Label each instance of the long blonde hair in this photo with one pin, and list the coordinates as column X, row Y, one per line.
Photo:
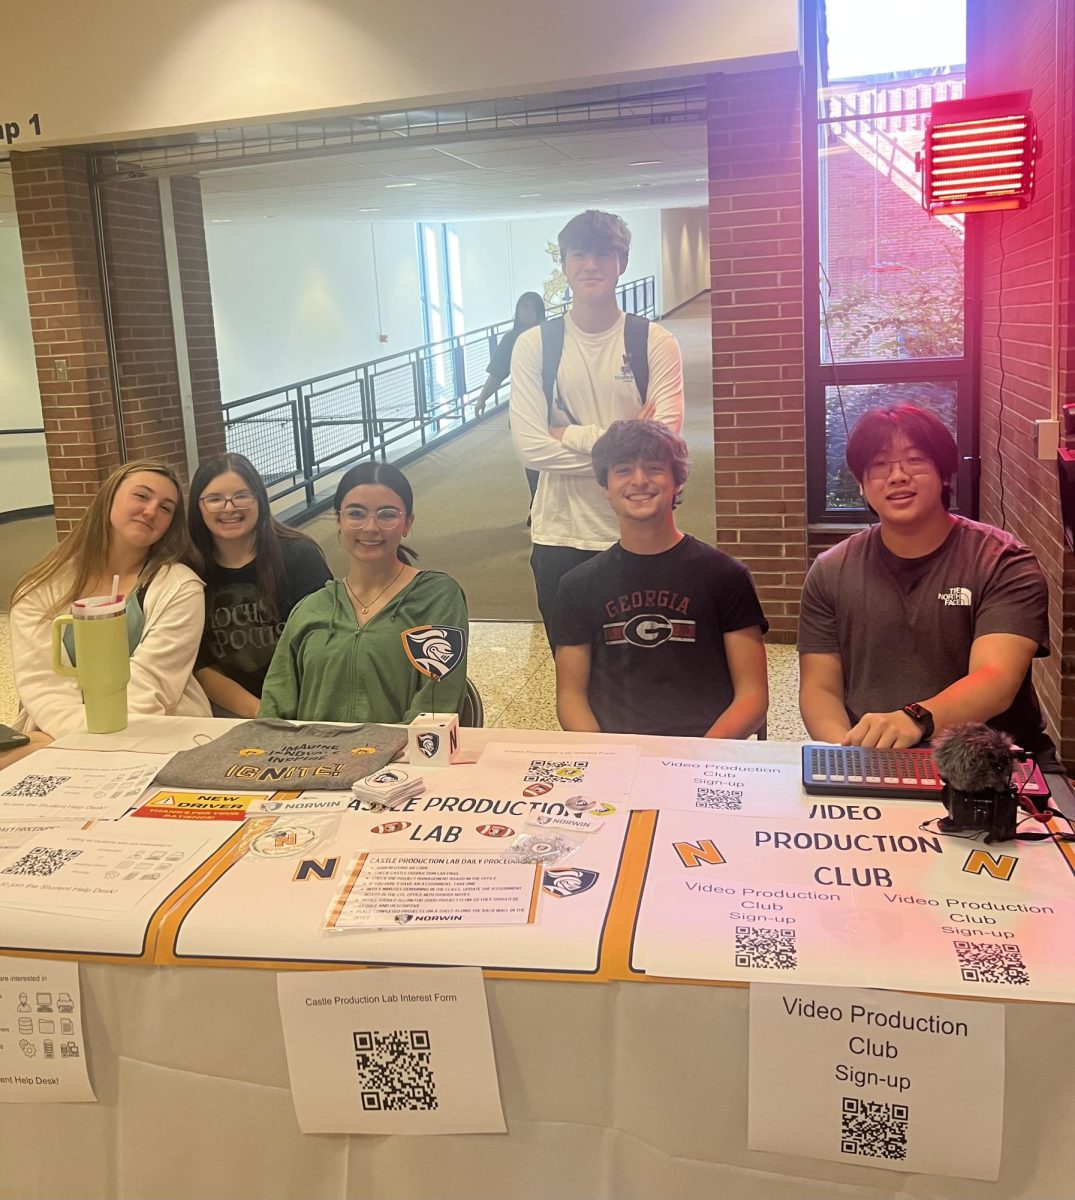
column 85, row 549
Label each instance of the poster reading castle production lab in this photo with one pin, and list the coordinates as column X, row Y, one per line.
column 877, row 1079
column 390, row 1051
column 295, row 868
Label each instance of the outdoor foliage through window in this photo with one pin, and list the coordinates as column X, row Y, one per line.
column 842, row 491
column 891, row 278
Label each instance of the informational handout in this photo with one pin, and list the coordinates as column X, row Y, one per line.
column 42, row 1050
column 390, row 1052
column 99, row 871
column 702, row 785
column 555, row 772
column 82, row 784
column 430, row 889
column 877, row 1079
column 14, row 833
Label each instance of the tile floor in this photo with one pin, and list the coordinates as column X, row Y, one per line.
column 512, row 667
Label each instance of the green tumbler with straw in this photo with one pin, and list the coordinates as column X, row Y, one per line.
column 102, row 658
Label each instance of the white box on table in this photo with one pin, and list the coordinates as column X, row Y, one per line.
column 432, row 739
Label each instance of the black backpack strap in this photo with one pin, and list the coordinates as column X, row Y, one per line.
column 552, row 350
column 636, row 344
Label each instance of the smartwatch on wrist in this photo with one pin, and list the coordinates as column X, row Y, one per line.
column 922, row 717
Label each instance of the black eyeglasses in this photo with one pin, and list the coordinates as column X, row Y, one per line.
column 239, row 501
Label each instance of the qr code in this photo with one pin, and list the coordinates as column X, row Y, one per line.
column 37, row 786
column 555, row 770
column 730, row 799
column 874, row 1128
column 760, row 947
column 394, row 1071
column 41, row 860
column 982, row 963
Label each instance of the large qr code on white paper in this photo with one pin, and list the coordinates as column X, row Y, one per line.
column 37, row 786
column 757, row 946
column 728, row 799
column 980, row 962
column 41, row 860
column 555, row 770
column 395, row 1071
column 874, row 1128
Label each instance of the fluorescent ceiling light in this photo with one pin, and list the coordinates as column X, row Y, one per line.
column 392, row 185
column 647, row 162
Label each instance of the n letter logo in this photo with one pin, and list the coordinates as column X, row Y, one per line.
column 691, row 855
column 999, row 867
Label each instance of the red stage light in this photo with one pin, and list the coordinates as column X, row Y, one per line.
column 979, row 155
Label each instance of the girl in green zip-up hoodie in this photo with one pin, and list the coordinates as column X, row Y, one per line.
column 341, row 657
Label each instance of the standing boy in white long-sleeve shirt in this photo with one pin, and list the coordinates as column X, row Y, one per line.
column 594, row 386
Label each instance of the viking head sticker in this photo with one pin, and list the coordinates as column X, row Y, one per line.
column 434, row 649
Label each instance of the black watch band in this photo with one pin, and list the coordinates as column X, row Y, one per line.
column 921, row 717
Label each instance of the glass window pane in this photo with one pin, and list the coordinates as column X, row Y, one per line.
column 892, row 276
column 867, row 39
column 843, row 407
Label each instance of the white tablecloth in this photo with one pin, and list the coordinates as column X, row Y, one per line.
column 619, row 1090
column 614, row 1090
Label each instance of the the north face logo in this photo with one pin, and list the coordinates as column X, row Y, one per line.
column 957, row 597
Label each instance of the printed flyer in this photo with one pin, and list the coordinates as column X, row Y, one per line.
column 42, row 1046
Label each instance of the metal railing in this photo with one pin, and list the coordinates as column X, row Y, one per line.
column 298, row 434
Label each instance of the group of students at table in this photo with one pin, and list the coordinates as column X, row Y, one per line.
column 233, row 613
column 923, row 620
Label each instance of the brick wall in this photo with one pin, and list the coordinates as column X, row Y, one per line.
column 142, row 318
column 1028, row 322
column 52, row 197
column 755, row 237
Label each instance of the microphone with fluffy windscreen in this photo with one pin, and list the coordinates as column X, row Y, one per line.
column 976, row 764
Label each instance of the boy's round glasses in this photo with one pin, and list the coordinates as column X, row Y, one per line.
column 386, row 517
column 239, row 501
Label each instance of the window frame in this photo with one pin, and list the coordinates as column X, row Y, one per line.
column 819, row 375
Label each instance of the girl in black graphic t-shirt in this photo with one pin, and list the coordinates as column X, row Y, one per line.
column 255, row 569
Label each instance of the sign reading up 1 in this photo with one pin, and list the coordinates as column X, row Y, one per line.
column 11, row 131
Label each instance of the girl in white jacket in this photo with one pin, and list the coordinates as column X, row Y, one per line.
column 133, row 528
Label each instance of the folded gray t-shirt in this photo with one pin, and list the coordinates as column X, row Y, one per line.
column 270, row 755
